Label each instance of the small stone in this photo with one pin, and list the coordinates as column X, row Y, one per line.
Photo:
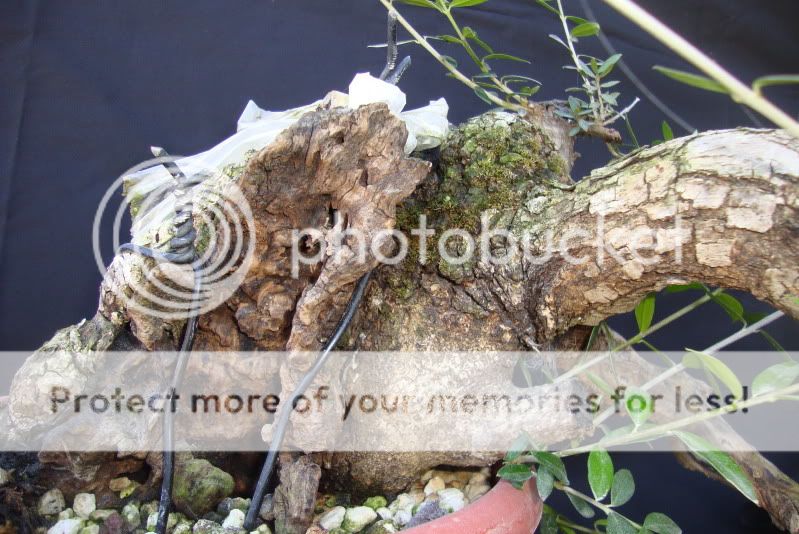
column 356, row 519
column 417, row 496
column 148, row 509
column 457, row 484
column 203, row 526
column 182, row 528
column 384, row 513
column 236, row 503
column 403, row 502
column 101, row 515
column 130, row 513
column 478, row 478
column 91, row 528
column 427, row 512
column 314, row 529
column 385, row 526
column 113, row 524
column 51, row 503
column 199, row 486
column 332, row 518
column 451, row 500
column 84, row 504
column 475, row 491
column 435, row 484
column 66, row 526
column 118, row 484
column 152, row 521
column 5, row 477
column 68, row 513
column 402, row 517
column 234, row 520
column 376, row 502
column 262, row 529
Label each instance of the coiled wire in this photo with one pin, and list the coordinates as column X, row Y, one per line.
column 180, row 250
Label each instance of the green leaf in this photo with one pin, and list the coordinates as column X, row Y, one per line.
column 679, row 288
column 517, row 448
column 638, row 404
column 516, row 474
column 471, row 34
column 451, row 60
column 558, row 40
column 623, row 487
column 419, row 3
column 553, row 464
column 661, row 524
column 583, row 507
column 600, row 473
column 586, row 29
column 608, row 65
column 544, row 482
column 446, row 38
column 694, row 80
column 644, row 312
column 775, row 377
column 517, row 78
column 549, row 521
column 467, row 3
column 619, row 525
column 529, row 91
column 665, row 129
column 721, row 462
column 484, row 95
column 699, row 360
column 731, row 305
column 505, row 56
column 545, row 5
column 576, row 20
column 775, row 79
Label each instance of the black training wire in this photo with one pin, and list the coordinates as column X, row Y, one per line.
column 391, row 74
column 181, row 251
column 281, row 424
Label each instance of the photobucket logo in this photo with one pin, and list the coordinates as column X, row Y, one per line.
column 641, row 245
column 204, row 213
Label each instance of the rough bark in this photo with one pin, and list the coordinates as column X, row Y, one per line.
column 735, row 192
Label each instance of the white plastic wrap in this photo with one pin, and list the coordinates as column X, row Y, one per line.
column 257, row 128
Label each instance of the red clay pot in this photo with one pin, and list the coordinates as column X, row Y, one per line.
column 503, row 510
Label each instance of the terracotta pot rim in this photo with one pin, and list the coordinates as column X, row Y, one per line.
column 503, row 510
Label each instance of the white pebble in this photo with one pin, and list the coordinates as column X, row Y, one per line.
column 5, row 478
column 451, row 500
column 84, row 505
column 356, row 519
column 333, row 518
column 66, row 526
column 384, row 513
column 235, row 519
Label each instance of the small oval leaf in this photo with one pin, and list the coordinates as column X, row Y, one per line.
column 583, row 507
column 600, row 473
column 553, row 464
column 623, row 487
column 619, row 525
column 661, row 524
column 467, row 3
column 775, row 377
column 586, row 29
column 544, row 482
column 644, row 312
column 699, row 360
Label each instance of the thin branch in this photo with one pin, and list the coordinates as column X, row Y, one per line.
column 739, row 92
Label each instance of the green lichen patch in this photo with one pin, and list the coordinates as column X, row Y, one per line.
column 491, row 163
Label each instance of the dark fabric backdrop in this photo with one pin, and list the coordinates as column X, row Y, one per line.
column 87, row 86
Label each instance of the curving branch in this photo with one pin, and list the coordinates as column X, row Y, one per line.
column 718, row 207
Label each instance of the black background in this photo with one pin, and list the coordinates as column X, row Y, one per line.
column 87, row 86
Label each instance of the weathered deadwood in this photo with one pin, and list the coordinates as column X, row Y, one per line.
column 295, row 496
column 735, row 191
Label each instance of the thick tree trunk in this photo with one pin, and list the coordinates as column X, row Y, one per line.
column 718, row 207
